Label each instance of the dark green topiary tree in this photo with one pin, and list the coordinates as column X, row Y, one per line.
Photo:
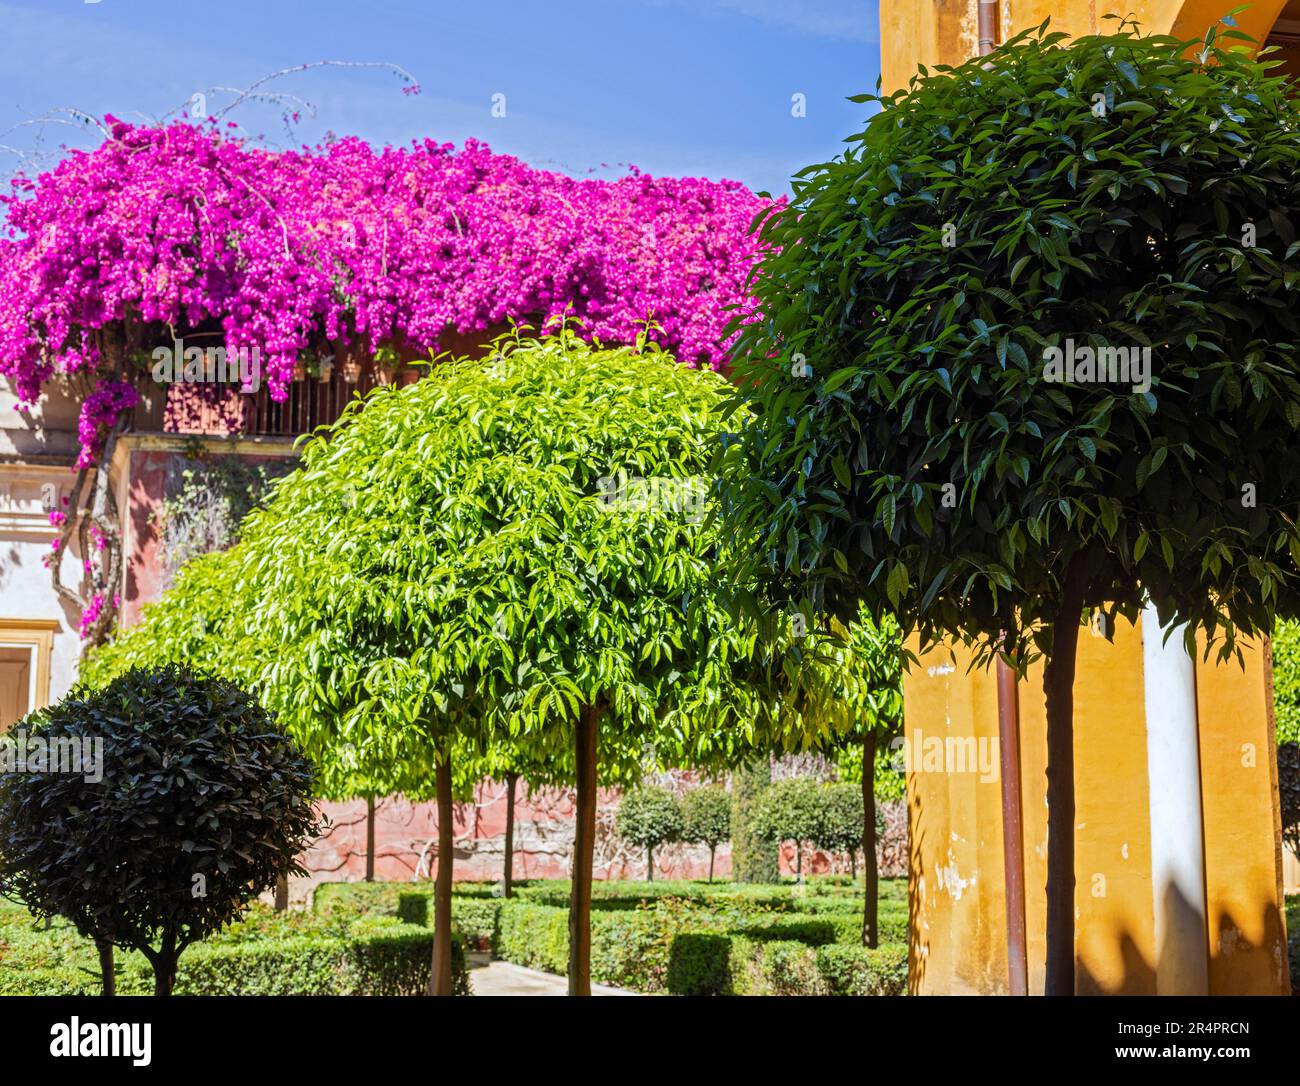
column 649, row 816
column 706, row 819
column 200, row 803
column 945, row 426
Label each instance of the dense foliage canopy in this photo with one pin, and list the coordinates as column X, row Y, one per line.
column 913, row 447
column 196, row 802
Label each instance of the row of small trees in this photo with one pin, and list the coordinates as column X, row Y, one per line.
column 650, row 816
column 800, row 810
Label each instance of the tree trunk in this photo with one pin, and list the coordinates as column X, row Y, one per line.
column 106, row 966
column 649, row 864
column 370, row 838
column 164, row 965
column 1058, row 686
column 281, row 893
column 512, row 779
column 798, row 861
column 164, row 977
column 440, row 978
column 870, row 870
column 712, row 851
column 584, row 841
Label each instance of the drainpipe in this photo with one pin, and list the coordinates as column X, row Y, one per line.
column 1013, row 851
column 988, row 25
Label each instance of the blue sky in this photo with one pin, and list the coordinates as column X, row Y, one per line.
column 685, row 87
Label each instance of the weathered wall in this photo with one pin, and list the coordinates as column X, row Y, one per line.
column 33, row 457
column 406, row 842
column 958, row 902
column 934, row 32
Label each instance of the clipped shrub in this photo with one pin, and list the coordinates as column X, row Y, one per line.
column 197, row 803
column 476, row 920
column 649, row 816
column 265, row 954
column 1288, row 780
column 858, row 971
column 699, row 963
column 413, row 908
column 534, row 935
column 706, row 819
column 790, row 810
column 753, row 858
column 1286, row 680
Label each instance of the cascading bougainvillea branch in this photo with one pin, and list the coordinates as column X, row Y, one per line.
column 166, row 230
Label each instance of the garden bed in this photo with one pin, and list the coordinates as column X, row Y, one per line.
column 263, row 954
column 676, row 937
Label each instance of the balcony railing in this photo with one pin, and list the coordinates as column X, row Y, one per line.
column 222, row 410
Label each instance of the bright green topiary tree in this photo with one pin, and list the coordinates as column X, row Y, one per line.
column 706, row 819
column 510, row 551
column 649, row 816
column 790, row 810
column 919, row 445
column 842, row 816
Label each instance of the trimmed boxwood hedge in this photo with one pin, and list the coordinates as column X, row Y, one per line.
column 679, row 937
column 262, row 955
column 718, row 964
column 796, row 955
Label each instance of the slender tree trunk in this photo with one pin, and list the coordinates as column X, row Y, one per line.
column 370, row 838
column 1058, row 686
column 649, row 864
column 870, row 870
column 440, row 978
column 512, row 779
column 798, row 861
column 583, row 853
column 281, row 893
column 164, row 965
column 164, row 977
column 712, row 852
column 106, row 966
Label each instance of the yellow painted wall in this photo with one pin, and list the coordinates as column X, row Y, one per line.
column 1243, row 831
column 957, row 894
column 955, row 825
column 933, row 32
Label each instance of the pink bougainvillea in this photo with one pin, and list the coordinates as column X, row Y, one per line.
column 161, row 231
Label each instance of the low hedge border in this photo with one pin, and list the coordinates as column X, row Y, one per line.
column 374, row 956
column 795, row 956
column 723, row 964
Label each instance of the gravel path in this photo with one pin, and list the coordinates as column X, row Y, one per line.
column 491, row 978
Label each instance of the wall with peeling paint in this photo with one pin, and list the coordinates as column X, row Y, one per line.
column 934, row 32
column 958, row 940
